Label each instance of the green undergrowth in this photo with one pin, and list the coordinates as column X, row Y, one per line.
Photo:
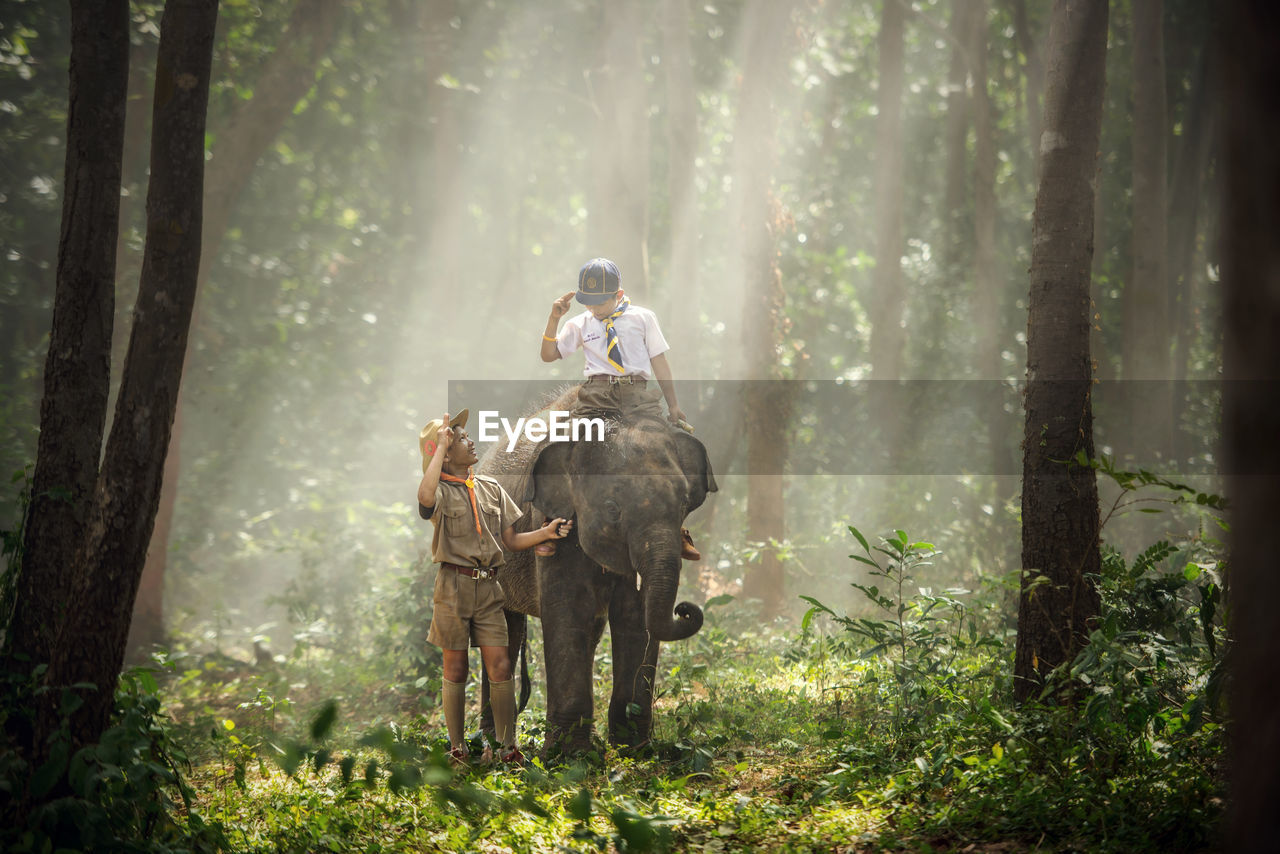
column 889, row 727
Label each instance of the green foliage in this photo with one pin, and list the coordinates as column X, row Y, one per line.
column 127, row 792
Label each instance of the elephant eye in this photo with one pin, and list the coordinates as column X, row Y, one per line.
column 612, row 510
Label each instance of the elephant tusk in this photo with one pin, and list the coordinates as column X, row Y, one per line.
column 638, row 581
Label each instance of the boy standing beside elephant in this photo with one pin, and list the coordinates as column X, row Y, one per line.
column 624, row 347
column 473, row 518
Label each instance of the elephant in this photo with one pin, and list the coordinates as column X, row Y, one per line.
column 628, row 496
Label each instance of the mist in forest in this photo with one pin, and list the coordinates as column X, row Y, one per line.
column 395, row 251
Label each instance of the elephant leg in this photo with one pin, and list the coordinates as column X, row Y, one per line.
column 635, row 664
column 517, row 626
column 573, row 617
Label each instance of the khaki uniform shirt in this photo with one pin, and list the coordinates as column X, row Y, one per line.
column 456, row 539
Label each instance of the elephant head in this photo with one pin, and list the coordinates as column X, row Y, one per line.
column 630, row 494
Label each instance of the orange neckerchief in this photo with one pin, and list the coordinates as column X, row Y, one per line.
column 470, row 483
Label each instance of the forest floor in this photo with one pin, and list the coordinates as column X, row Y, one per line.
column 764, row 740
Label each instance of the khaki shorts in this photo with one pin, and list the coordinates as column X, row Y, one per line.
column 467, row 612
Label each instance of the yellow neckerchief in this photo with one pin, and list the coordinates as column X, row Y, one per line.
column 613, row 352
column 470, row 482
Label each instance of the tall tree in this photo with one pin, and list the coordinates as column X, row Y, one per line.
column 767, row 397
column 77, row 369
column 1146, row 353
column 887, row 301
column 1060, row 526
column 90, row 644
column 1250, row 96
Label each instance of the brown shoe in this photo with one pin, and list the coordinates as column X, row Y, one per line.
column 546, row 548
column 687, row 549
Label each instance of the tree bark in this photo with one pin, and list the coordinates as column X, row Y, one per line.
column 77, row 373
column 1250, row 99
column 91, row 642
column 1060, row 523
column 886, row 302
column 766, row 397
column 1146, row 354
column 618, row 225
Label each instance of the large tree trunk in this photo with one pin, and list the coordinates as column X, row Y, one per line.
column 618, row 227
column 237, row 146
column 1146, row 353
column 1060, row 548
column 77, row 373
column 91, row 642
column 886, row 301
column 766, row 396
column 1250, row 95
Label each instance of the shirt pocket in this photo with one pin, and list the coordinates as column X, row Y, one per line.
column 492, row 523
column 457, row 521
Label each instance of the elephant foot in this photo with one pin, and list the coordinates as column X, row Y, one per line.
column 568, row 740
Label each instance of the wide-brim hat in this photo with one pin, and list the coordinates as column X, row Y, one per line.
column 427, row 438
column 598, row 281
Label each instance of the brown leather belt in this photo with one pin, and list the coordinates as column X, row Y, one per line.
column 629, row 379
column 473, row 571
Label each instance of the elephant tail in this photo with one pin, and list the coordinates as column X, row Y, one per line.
column 526, row 689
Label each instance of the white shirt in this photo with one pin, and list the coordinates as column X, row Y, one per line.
column 639, row 340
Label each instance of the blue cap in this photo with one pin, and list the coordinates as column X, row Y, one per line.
column 598, row 281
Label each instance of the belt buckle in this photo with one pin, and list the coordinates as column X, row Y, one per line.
column 484, row 573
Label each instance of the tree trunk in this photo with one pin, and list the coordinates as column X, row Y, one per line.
column 766, row 396
column 886, row 301
column 682, row 150
column 91, row 642
column 237, row 146
column 1033, row 72
column 618, row 225
column 1191, row 164
column 1060, row 522
column 77, row 373
column 1146, row 353
column 988, row 284
column 960, row 70
column 1250, row 98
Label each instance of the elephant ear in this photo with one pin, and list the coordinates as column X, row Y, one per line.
column 549, row 481
column 696, row 465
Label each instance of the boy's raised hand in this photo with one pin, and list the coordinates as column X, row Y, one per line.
column 444, row 436
column 560, row 307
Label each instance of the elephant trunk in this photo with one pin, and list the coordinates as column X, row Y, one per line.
column 663, row 617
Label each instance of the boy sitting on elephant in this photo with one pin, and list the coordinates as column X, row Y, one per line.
column 473, row 518
column 624, row 347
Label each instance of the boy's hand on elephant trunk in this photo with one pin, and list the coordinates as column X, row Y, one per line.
column 557, row 529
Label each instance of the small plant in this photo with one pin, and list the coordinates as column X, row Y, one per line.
column 922, row 633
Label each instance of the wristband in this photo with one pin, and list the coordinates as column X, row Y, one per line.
column 545, row 338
